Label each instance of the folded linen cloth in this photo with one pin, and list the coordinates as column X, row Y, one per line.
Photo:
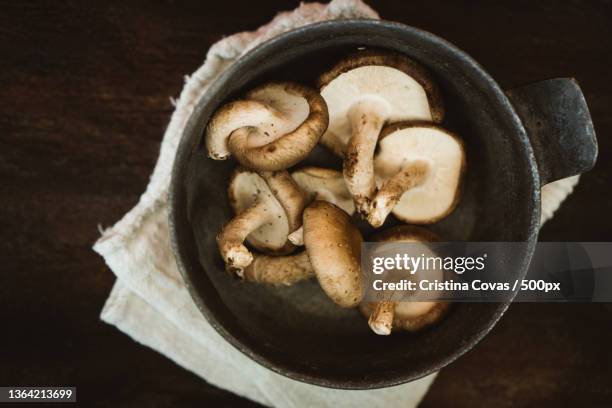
column 149, row 301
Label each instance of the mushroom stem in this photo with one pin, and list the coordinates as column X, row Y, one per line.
column 297, row 237
column 411, row 176
column 284, row 187
column 236, row 114
column 381, row 319
column 230, row 240
column 275, row 270
column 367, row 118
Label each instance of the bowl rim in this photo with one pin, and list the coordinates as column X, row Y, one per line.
column 185, row 147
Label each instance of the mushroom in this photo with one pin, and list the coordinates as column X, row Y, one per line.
column 333, row 245
column 419, row 166
column 275, row 126
column 268, row 207
column 363, row 92
column 384, row 316
column 322, row 184
column 333, row 251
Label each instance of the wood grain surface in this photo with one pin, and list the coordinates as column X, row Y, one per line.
column 85, row 93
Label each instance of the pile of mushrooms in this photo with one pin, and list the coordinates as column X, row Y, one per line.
column 380, row 113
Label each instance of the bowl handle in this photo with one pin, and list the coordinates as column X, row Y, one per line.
column 556, row 117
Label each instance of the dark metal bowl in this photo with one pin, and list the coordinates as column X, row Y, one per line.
column 296, row 331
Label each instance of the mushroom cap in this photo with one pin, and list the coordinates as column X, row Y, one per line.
column 325, row 184
column 275, row 126
column 403, row 88
column 333, row 245
column 409, row 316
column 285, row 207
column 438, row 195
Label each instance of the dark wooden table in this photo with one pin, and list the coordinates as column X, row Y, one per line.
column 84, row 100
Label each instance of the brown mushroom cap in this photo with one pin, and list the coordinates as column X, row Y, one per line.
column 440, row 155
column 274, row 127
column 333, row 245
column 409, row 316
column 268, row 207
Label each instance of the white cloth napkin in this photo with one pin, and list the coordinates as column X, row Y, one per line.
column 149, row 301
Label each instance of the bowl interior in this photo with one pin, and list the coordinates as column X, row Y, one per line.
column 297, row 330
